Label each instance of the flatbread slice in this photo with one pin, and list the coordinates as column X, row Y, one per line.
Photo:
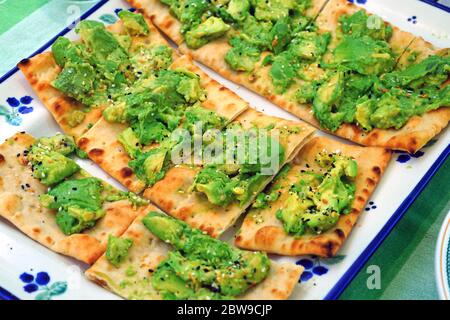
column 101, row 144
column 411, row 137
column 148, row 251
column 171, row 193
column 42, row 69
column 19, row 203
column 261, row 230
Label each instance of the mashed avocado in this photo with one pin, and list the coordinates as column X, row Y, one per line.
column 206, row 31
column 151, row 166
column 202, row 267
column 103, row 65
column 134, row 23
column 317, row 200
column 360, row 24
column 364, row 55
column 78, row 204
column 156, row 107
column 49, row 161
column 385, row 102
column 241, row 177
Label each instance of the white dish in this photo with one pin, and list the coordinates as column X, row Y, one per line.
column 28, row 269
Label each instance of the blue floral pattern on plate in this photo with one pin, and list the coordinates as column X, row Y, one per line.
column 412, row 19
column 370, row 206
column 404, row 156
column 314, row 266
column 17, row 107
column 41, row 283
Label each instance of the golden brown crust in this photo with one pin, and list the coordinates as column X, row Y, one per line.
column 42, row 69
column 261, row 230
column 19, row 203
column 102, row 147
column 173, row 196
column 148, row 251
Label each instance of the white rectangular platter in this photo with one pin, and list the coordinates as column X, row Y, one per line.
column 30, row 271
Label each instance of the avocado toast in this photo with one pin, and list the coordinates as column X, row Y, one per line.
column 51, row 199
column 314, row 202
column 361, row 49
column 166, row 259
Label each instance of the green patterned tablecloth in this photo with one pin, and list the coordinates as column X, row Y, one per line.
column 405, row 258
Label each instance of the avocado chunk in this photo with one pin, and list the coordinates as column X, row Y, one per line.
column 212, row 28
column 117, row 249
column 273, row 10
column 216, row 185
column 284, row 70
column 202, row 267
column 360, row 24
column 243, row 55
column 308, row 45
column 238, row 9
column 190, row 87
column 151, row 166
column 327, row 97
column 281, row 35
column 77, row 81
column 207, row 119
column 78, row 204
column 60, row 143
column 134, row 23
column 75, row 220
column 130, row 142
column 115, row 112
column 317, row 200
column 168, row 230
column 66, row 51
column 364, row 55
column 48, row 159
column 148, row 60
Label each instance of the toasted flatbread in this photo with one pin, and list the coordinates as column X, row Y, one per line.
column 261, row 230
column 42, row 69
column 171, row 193
column 411, row 137
column 148, row 251
column 101, row 144
column 19, row 203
